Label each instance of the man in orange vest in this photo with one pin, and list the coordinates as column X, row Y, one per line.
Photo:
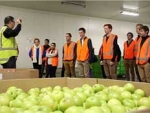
column 69, row 56
column 84, row 53
column 128, row 56
column 109, row 52
column 143, row 55
column 138, row 26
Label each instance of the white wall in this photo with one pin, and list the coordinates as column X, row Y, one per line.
column 50, row 25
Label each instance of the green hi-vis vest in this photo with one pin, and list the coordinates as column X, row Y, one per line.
column 8, row 47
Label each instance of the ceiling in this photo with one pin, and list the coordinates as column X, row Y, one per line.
column 101, row 9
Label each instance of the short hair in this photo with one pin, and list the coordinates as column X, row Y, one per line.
column 130, row 33
column 8, row 19
column 82, row 29
column 141, row 25
column 36, row 39
column 47, row 40
column 145, row 28
column 109, row 26
column 54, row 44
column 69, row 34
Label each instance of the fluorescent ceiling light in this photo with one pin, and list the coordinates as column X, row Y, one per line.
column 130, row 13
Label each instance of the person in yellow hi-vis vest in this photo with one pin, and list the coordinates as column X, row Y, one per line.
column 8, row 44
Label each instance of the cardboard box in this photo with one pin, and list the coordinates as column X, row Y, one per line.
column 18, row 73
column 27, row 84
column 138, row 85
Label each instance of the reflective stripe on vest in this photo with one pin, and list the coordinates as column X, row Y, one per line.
column 69, row 51
column 146, row 56
column 107, row 54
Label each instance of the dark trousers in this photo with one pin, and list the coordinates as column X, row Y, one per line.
column 63, row 71
column 103, row 72
column 137, row 73
column 39, row 67
column 11, row 63
column 44, row 67
column 51, row 71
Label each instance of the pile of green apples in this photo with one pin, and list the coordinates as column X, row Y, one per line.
column 85, row 99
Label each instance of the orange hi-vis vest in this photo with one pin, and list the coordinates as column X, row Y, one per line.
column 32, row 51
column 136, row 45
column 69, row 51
column 108, row 47
column 129, row 50
column 82, row 50
column 54, row 59
column 143, row 53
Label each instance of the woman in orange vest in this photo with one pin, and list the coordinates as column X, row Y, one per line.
column 143, row 55
column 128, row 56
column 37, row 54
column 52, row 60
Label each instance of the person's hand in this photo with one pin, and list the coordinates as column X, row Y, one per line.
column 111, row 63
column 19, row 21
column 101, row 62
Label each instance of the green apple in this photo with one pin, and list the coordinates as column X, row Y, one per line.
column 50, row 102
column 81, row 95
column 86, row 86
column 66, row 103
column 5, row 109
column 46, row 89
column 40, row 108
column 136, row 102
column 120, row 89
column 113, row 102
column 22, row 96
column 94, row 109
column 78, row 89
column 68, row 94
column 98, row 87
column 144, row 101
column 17, row 110
column 27, row 104
column 118, row 109
column 114, row 95
column 126, row 95
column 129, row 87
column 105, row 109
column 12, row 93
column 129, row 103
column 57, row 88
column 4, row 100
column 88, row 92
column 107, row 90
column 57, row 111
column 57, row 95
column 113, row 88
column 32, row 99
column 28, row 111
column 142, row 108
column 78, row 101
column 136, row 96
column 34, row 91
column 74, row 109
column 17, row 103
column 102, row 96
column 91, row 101
column 66, row 89
column 140, row 92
